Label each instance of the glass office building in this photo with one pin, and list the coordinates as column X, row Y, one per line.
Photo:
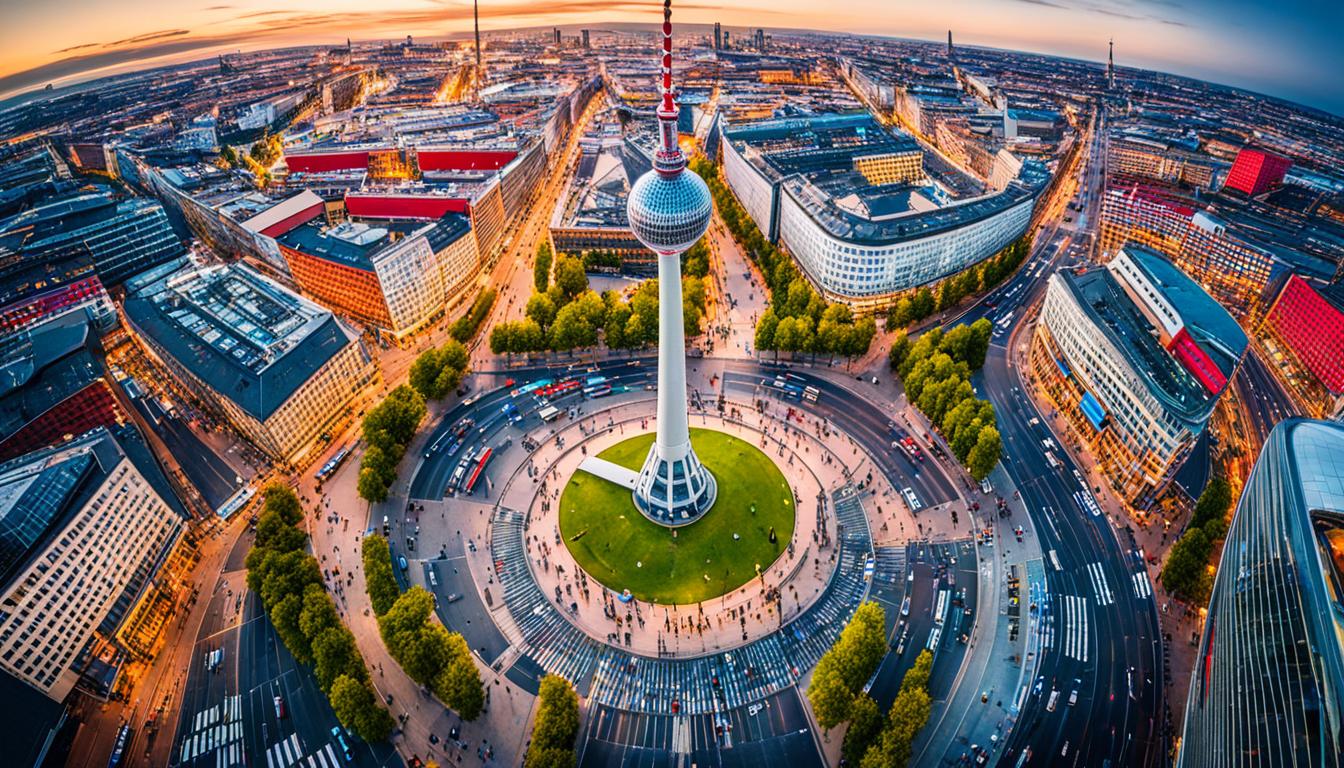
column 1268, row 685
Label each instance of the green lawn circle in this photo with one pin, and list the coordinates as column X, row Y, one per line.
column 622, row 549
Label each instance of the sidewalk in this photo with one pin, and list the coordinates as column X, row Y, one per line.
column 337, row 530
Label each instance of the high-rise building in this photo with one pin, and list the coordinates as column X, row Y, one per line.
column 950, row 53
column 718, row 36
column 1306, row 321
column 1236, row 268
column 54, row 385
column 1256, row 171
column 278, row 367
column 669, row 209
column 395, row 274
column 1135, row 355
column 760, row 39
column 1267, row 688
column 727, row 41
column 586, row 43
column 556, row 35
column 83, row 528
column 122, row 238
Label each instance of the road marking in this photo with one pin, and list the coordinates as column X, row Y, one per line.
column 1075, row 627
column 1099, row 585
column 1142, row 588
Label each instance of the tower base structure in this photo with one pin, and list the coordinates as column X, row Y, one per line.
column 674, row 492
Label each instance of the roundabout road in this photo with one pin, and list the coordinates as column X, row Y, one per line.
column 737, row 707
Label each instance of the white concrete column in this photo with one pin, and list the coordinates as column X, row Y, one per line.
column 674, row 437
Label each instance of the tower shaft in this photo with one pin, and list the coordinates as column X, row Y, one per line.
column 674, row 437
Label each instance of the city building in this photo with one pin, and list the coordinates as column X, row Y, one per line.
column 1266, row 686
column 1304, row 330
column 281, row 369
column 1171, row 161
column 394, row 274
column 84, row 527
column 1135, row 355
column 121, row 237
column 33, row 290
column 864, row 211
column 53, row 385
column 1256, row 171
column 590, row 215
column 1238, row 254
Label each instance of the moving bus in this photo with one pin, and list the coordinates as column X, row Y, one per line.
column 526, row 388
column 335, row 463
column 476, row 471
column 119, row 751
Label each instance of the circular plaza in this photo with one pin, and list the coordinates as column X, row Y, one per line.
column 749, row 526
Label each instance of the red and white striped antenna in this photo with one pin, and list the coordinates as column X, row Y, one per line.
column 670, row 160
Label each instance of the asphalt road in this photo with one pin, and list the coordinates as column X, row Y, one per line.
column 774, row 732
column 1103, row 637
column 229, row 715
column 853, row 414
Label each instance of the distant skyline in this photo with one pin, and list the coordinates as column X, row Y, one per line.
column 1286, row 49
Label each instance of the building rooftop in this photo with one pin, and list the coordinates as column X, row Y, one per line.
column 356, row 243
column 42, row 366
column 813, row 160
column 40, row 490
column 246, row 337
column 1114, row 311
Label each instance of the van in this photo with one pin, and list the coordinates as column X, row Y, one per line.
column 1054, row 699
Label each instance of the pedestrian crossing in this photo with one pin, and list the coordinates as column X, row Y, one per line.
column 288, row 753
column 216, row 736
column 284, row 753
column 1073, row 618
column 749, row 673
column 1099, row 586
column 1142, row 587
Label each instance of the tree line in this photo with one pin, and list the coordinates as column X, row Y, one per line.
column 466, row 326
column 567, row 315
column 925, row 301
column 556, row 726
column 936, row 371
column 289, row 581
column 439, row 371
column 873, row 742
column 798, row 319
column 387, row 429
column 428, row 653
column 843, row 671
column 1186, row 574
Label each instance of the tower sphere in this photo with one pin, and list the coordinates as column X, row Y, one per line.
column 668, row 213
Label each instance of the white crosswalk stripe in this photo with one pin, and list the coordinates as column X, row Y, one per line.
column 1142, row 588
column 1074, row 620
column 1099, row 585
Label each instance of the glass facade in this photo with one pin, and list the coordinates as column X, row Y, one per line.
column 1268, row 684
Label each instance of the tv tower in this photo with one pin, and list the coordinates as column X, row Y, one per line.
column 1110, row 67
column 476, row 23
column 669, row 209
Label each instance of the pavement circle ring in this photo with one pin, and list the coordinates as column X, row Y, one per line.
column 746, row 531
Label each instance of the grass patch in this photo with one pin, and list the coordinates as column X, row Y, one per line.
column 622, row 549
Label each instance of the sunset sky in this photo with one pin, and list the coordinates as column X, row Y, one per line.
column 1289, row 49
